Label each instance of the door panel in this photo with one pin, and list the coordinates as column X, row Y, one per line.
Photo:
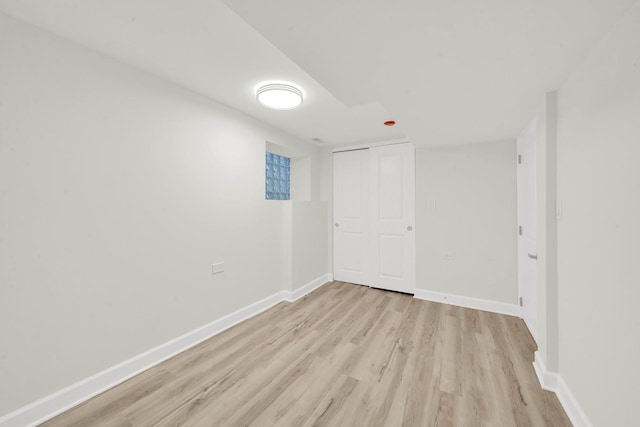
column 353, row 191
column 391, row 256
column 390, row 186
column 351, row 216
column 392, row 174
column 527, row 248
column 352, row 259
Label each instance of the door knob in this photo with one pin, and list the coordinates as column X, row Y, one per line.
column 532, row 256
column 337, row 225
column 409, row 228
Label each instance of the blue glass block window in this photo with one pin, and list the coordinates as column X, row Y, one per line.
column 278, row 174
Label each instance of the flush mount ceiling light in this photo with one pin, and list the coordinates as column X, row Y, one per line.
column 279, row 96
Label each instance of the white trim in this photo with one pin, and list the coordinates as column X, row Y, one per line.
column 554, row 382
column 62, row 400
column 570, row 404
column 370, row 144
column 548, row 380
column 293, row 296
column 532, row 331
column 469, row 302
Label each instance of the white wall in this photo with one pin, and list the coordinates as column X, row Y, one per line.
column 466, row 204
column 117, row 193
column 309, row 241
column 326, row 194
column 599, row 233
column 546, row 238
column 301, row 178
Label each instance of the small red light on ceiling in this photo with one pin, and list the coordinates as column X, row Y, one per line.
column 390, row 123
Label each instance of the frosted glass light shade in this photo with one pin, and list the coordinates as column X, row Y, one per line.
column 279, row 96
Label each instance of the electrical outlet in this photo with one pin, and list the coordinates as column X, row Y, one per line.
column 217, row 268
column 447, row 255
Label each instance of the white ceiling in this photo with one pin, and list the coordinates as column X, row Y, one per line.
column 449, row 71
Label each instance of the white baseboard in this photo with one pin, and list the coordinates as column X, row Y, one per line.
column 292, row 296
column 571, row 405
column 62, row 400
column 554, row 382
column 548, row 380
column 469, row 302
column 532, row 331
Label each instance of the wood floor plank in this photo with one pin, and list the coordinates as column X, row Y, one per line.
column 343, row 355
column 332, row 404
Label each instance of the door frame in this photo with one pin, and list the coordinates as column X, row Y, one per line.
column 370, row 145
column 522, row 257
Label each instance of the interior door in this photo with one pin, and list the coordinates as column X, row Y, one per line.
column 351, row 261
column 392, row 172
column 527, row 227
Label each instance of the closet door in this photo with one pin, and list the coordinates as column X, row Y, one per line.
column 351, row 254
column 392, row 216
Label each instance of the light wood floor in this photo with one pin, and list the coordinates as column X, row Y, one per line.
column 345, row 355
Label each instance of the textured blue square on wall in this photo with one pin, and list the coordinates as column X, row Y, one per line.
column 277, row 177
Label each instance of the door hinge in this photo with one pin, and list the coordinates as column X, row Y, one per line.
column 519, row 159
column 520, row 230
column 520, row 301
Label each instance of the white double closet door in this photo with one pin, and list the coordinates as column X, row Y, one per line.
column 374, row 215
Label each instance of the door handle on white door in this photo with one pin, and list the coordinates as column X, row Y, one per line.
column 532, row 256
column 409, row 228
column 337, row 225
